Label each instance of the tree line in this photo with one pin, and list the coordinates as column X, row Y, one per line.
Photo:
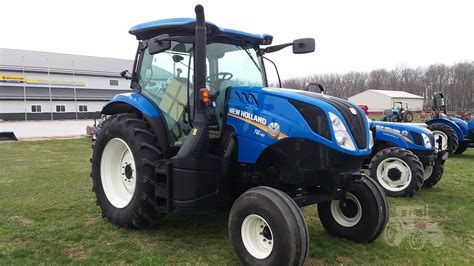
column 455, row 81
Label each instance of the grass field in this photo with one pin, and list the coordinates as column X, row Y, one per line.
column 48, row 215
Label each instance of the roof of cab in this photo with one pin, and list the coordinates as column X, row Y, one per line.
column 187, row 26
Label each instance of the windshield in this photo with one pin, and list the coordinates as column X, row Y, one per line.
column 239, row 63
column 167, row 79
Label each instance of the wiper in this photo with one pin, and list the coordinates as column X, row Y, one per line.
column 253, row 60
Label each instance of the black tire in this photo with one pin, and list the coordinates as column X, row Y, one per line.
column 281, row 217
column 372, row 208
column 453, row 141
column 395, row 156
column 407, row 116
column 462, row 147
column 141, row 211
column 435, row 176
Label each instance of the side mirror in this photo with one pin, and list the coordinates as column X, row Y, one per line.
column 303, row 46
column 126, row 75
column 159, row 44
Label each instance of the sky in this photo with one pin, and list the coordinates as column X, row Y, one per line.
column 350, row 35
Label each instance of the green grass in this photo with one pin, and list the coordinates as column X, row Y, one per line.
column 48, row 215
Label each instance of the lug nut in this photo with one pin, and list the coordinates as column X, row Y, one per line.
column 264, row 239
column 269, row 242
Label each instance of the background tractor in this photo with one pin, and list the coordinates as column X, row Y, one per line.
column 405, row 158
column 457, row 135
column 398, row 113
column 201, row 130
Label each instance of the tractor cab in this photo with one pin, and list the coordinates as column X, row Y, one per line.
column 164, row 70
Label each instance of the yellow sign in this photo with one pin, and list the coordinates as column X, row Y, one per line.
column 22, row 79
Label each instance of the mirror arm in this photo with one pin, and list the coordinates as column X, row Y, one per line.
column 275, row 48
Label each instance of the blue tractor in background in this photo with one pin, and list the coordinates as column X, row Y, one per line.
column 202, row 130
column 405, row 158
column 398, row 113
column 457, row 135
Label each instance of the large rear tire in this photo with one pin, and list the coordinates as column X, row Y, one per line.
column 407, row 116
column 266, row 227
column 364, row 216
column 432, row 174
column 123, row 166
column 398, row 171
column 446, row 136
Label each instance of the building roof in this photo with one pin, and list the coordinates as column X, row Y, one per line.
column 17, row 60
column 397, row 94
column 186, row 26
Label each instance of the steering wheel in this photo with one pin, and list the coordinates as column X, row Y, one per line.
column 225, row 76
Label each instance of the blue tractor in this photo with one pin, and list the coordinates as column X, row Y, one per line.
column 405, row 158
column 398, row 113
column 202, row 130
column 457, row 134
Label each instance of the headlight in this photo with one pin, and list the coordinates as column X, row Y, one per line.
column 426, row 141
column 343, row 138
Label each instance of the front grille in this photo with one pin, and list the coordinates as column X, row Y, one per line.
column 357, row 126
column 315, row 117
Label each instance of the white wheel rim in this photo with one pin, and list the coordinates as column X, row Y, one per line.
column 394, row 174
column 444, row 139
column 427, row 171
column 342, row 216
column 118, row 173
column 257, row 236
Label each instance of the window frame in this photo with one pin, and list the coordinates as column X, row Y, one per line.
column 61, row 109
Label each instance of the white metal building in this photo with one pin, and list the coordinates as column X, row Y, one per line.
column 50, row 86
column 379, row 100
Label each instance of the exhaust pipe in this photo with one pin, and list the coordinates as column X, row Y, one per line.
column 197, row 141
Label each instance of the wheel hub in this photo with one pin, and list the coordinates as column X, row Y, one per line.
column 128, row 172
column 347, row 213
column 349, row 209
column 394, row 174
column 257, row 236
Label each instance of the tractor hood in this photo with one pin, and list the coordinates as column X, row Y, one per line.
column 330, row 121
column 403, row 135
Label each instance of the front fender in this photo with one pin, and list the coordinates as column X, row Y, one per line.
column 126, row 102
column 448, row 123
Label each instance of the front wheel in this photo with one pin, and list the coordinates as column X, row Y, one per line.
column 361, row 217
column 266, row 227
column 398, row 171
column 432, row 174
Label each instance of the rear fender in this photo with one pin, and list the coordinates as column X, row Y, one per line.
column 137, row 103
column 131, row 102
column 448, row 123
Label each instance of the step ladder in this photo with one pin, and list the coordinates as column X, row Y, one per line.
column 163, row 186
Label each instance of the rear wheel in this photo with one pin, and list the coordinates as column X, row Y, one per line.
column 445, row 137
column 361, row 217
column 432, row 174
column 407, row 116
column 266, row 227
column 398, row 171
column 123, row 165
